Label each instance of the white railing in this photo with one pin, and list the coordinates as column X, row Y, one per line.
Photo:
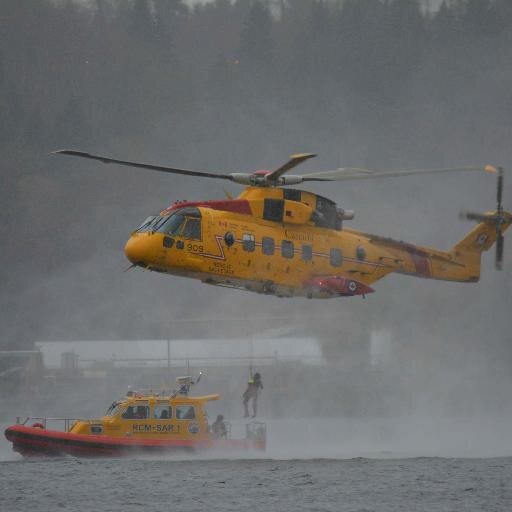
column 43, row 420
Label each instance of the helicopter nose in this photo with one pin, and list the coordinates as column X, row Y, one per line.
column 135, row 250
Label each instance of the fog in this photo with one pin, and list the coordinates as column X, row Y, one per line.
column 232, row 86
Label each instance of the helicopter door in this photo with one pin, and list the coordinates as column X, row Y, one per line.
column 248, row 256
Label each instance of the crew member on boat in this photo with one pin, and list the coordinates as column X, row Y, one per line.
column 219, row 429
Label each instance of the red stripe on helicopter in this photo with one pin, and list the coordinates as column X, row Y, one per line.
column 422, row 264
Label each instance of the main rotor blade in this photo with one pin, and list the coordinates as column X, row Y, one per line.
column 499, row 250
column 293, row 162
column 159, row 168
column 346, row 174
column 475, row 216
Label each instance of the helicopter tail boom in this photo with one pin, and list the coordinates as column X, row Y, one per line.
column 460, row 264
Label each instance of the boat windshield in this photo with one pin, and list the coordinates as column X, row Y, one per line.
column 114, row 409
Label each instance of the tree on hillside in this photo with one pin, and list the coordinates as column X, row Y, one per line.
column 256, row 50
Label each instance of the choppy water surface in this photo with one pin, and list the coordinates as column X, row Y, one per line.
column 322, row 465
column 260, row 485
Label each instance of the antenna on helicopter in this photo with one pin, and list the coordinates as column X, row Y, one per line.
column 497, row 218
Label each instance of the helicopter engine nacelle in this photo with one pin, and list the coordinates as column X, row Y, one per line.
column 345, row 214
column 258, row 179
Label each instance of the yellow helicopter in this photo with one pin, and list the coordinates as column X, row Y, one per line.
column 292, row 243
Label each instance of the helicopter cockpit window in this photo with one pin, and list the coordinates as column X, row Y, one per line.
column 185, row 222
column 145, row 225
column 157, row 224
column 150, row 224
column 172, row 224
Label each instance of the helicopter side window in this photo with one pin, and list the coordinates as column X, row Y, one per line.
column 307, row 252
column 185, row 412
column 336, row 258
column 268, row 245
column 248, row 242
column 287, row 249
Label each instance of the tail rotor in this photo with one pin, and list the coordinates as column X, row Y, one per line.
column 498, row 218
column 499, row 221
column 499, row 250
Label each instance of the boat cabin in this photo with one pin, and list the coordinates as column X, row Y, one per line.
column 151, row 415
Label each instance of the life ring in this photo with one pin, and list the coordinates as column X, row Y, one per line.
column 37, row 425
